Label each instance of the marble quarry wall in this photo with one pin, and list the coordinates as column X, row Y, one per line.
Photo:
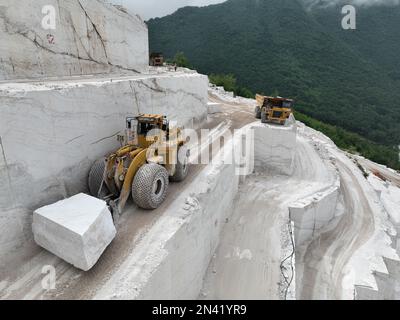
column 90, row 37
column 388, row 284
column 313, row 213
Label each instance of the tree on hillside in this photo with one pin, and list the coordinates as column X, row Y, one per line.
column 228, row 81
column 180, row 60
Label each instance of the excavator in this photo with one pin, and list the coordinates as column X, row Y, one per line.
column 273, row 109
column 152, row 154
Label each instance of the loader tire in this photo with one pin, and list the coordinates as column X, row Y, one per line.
column 182, row 165
column 150, row 185
column 264, row 117
column 258, row 112
column 96, row 179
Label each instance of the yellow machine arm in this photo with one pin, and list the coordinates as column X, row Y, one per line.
column 137, row 162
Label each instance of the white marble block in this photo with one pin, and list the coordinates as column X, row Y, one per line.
column 312, row 214
column 275, row 147
column 213, row 108
column 77, row 229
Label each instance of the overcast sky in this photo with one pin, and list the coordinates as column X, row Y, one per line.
column 158, row 8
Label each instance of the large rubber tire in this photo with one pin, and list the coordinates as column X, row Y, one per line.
column 96, row 179
column 264, row 117
column 258, row 112
column 150, row 185
column 182, row 166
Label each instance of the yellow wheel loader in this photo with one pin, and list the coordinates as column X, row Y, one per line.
column 273, row 109
column 152, row 155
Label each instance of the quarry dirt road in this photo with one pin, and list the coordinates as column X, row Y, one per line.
column 25, row 282
column 326, row 256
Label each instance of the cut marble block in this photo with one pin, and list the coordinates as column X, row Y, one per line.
column 313, row 213
column 214, row 108
column 77, row 229
column 275, row 147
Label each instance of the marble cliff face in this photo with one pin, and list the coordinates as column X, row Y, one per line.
column 90, row 37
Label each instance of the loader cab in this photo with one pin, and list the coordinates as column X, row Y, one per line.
column 279, row 103
column 149, row 128
column 148, row 122
column 144, row 128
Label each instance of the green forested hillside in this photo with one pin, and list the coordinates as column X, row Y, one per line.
column 346, row 78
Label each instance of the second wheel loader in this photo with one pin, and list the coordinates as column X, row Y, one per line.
column 152, row 155
column 273, row 109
